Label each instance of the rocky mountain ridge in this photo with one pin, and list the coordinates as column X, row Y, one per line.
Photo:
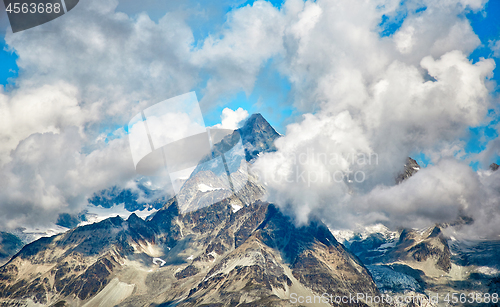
column 213, row 255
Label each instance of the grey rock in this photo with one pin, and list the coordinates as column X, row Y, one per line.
column 411, row 168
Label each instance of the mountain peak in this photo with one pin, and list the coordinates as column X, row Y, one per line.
column 257, row 136
column 411, row 168
column 133, row 217
column 256, row 117
column 257, row 123
column 493, row 166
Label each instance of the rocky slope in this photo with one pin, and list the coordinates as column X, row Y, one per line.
column 494, row 166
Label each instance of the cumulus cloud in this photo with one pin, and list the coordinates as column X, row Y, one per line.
column 236, row 55
column 414, row 91
column 84, row 75
column 495, row 47
column 47, row 108
column 80, row 78
column 48, row 174
column 232, row 119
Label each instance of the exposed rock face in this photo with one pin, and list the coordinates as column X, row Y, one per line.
column 113, row 196
column 429, row 245
column 212, row 173
column 426, row 261
column 9, row 245
column 258, row 136
column 411, row 167
column 411, row 246
column 77, row 263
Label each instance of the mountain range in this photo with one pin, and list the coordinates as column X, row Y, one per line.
column 237, row 251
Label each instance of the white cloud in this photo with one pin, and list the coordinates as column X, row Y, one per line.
column 372, row 96
column 47, row 108
column 48, row 174
column 404, row 39
column 232, row 119
column 253, row 34
column 495, row 47
column 83, row 75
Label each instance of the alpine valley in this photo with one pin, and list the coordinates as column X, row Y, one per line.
column 240, row 251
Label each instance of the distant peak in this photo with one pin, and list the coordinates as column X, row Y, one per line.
column 436, row 231
column 132, row 217
column 493, row 166
column 411, row 161
column 256, row 116
column 117, row 220
column 411, row 167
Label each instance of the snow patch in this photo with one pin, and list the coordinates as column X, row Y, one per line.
column 488, row 271
column 205, row 188
column 388, row 279
column 346, row 235
column 96, row 214
column 28, row 235
column 236, row 208
column 159, row 261
column 213, row 254
column 387, row 245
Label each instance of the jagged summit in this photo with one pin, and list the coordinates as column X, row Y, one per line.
column 255, row 256
column 256, row 120
column 411, row 168
column 257, row 136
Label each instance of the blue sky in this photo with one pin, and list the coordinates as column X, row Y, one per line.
column 271, row 94
column 8, row 66
column 269, row 97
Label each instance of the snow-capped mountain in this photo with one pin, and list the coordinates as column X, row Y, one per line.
column 238, row 251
